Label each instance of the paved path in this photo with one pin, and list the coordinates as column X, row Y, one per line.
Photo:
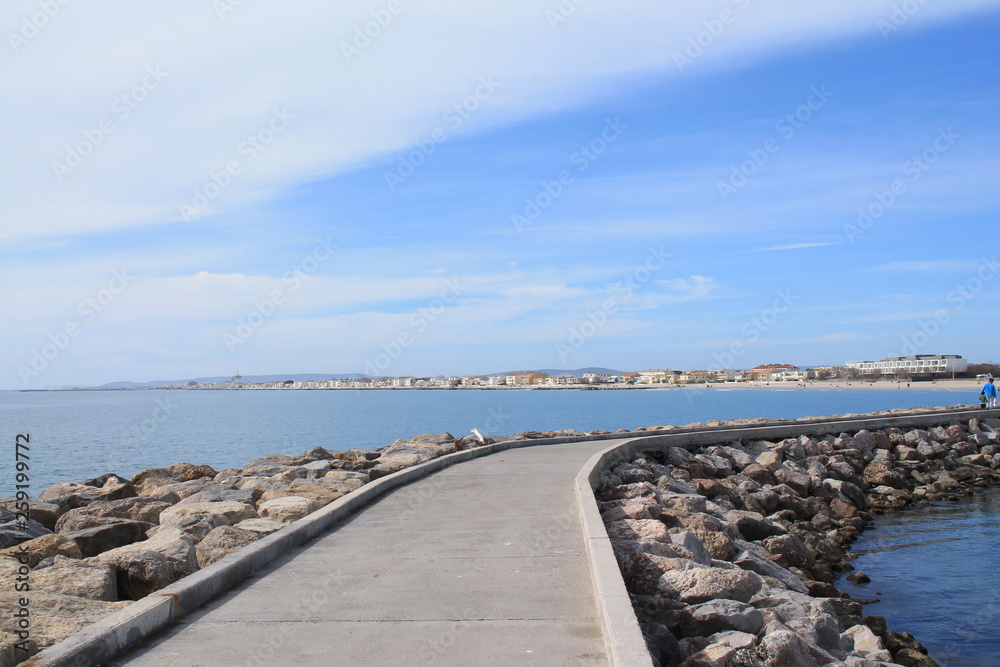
column 482, row 563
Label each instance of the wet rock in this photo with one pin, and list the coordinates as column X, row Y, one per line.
column 858, row 578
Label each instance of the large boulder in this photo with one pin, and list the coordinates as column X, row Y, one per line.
column 111, row 535
column 154, row 564
column 322, row 495
column 782, row 648
column 140, row 508
column 233, row 511
column 14, row 531
column 73, row 521
column 69, row 495
column 43, row 547
column 704, row 584
column 288, row 509
column 214, row 495
column 148, row 481
column 189, row 471
column 63, row 614
column 44, row 513
column 222, row 541
column 195, row 525
column 638, row 529
column 91, row 580
column 714, row 616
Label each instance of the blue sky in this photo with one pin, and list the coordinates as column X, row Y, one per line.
column 491, row 187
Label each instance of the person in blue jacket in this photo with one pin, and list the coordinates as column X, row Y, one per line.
column 990, row 392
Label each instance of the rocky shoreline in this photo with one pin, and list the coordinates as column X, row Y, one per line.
column 730, row 550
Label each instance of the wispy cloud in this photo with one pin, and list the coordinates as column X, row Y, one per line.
column 793, row 246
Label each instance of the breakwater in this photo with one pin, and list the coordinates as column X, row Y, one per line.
column 730, row 549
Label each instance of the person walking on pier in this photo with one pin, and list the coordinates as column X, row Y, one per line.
column 990, row 392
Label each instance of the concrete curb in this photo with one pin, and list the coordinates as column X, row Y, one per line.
column 622, row 634
column 122, row 629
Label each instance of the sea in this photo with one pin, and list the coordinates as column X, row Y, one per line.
column 934, row 570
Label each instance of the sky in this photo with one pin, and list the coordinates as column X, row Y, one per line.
column 192, row 189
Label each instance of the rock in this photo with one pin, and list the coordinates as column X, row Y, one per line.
column 14, row 532
column 321, row 495
column 69, row 495
column 136, row 509
column 44, row 513
column 44, row 547
column 151, row 565
column 752, row 525
column 909, row 657
column 897, row 641
column 91, row 580
column 14, row 650
column 780, row 649
column 714, row 616
column 195, row 525
column 692, row 545
column 734, row 638
column 718, row 544
column 799, row 482
column 233, row 511
column 769, row 460
column 702, row 585
column 185, row 489
column 63, row 614
column 714, row 655
column 222, row 541
column 881, row 474
column 860, row 638
column 638, row 529
column 147, row 481
column 790, row 550
column 214, row 495
column 288, row 508
column 260, row 526
column 261, row 484
column 753, row 562
column 187, row 471
column 74, row 521
column 111, row 535
column 858, row 578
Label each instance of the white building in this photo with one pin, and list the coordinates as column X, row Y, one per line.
column 914, row 364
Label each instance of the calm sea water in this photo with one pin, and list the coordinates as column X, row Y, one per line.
column 934, row 570
column 79, row 435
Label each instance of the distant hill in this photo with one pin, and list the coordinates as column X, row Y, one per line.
column 553, row 372
column 301, row 377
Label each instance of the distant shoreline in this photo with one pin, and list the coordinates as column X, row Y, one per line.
column 944, row 384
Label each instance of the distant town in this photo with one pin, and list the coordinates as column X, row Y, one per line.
column 913, row 367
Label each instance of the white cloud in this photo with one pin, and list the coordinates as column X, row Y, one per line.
column 223, row 79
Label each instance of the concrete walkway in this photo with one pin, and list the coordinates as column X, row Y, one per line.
column 483, row 563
